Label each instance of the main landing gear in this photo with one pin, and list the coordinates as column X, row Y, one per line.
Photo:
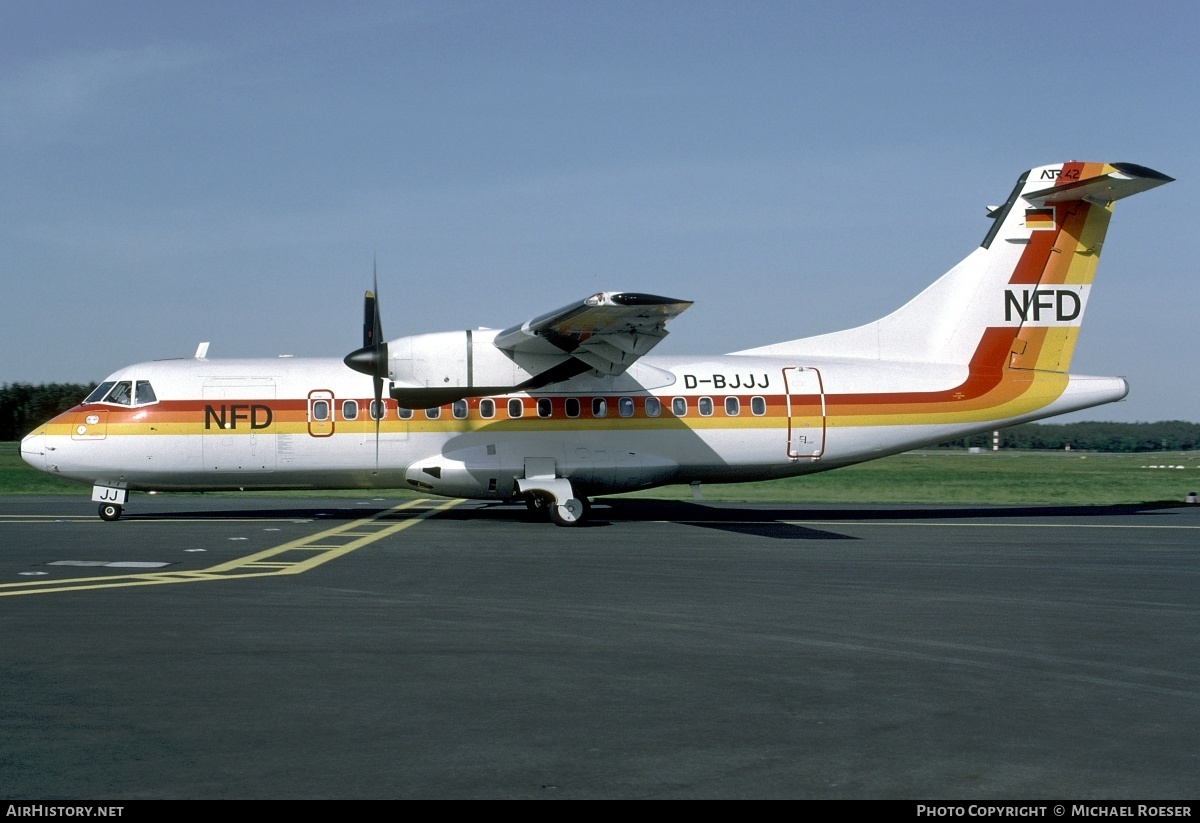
column 570, row 513
column 544, row 490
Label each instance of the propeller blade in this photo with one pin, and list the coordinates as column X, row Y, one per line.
column 370, row 320
column 377, row 411
column 376, row 323
column 372, row 358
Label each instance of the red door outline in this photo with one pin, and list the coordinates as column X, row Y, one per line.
column 320, row 428
column 806, row 412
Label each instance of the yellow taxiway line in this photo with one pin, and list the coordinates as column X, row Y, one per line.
column 293, row 557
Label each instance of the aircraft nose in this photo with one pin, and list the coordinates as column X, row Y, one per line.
column 33, row 450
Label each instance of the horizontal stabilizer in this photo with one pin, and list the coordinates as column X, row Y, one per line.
column 1120, row 180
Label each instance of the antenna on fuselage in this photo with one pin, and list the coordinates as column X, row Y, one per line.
column 202, row 350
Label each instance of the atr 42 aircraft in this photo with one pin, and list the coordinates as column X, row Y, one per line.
column 566, row 405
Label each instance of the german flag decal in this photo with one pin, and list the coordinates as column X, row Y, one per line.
column 1039, row 218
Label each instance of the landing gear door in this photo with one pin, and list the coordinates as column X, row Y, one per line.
column 806, row 412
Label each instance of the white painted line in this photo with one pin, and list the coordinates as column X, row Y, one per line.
column 893, row 523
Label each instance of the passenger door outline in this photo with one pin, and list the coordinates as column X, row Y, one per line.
column 321, row 428
column 806, row 412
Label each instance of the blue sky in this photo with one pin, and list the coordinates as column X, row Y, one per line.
column 179, row 172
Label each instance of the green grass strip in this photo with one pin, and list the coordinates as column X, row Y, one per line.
column 936, row 476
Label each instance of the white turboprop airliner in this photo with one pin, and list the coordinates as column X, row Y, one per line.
column 567, row 405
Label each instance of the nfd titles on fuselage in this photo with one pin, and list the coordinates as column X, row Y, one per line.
column 256, row 414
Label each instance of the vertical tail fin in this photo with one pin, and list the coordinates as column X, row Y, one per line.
column 1023, row 291
column 1066, row 220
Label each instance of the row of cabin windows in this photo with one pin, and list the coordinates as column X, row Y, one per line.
column 544, row 407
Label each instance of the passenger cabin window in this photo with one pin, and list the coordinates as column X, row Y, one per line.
column 403, row 413
column 758, row 406
column 515, row 407
column 732, row 406
column 320, row 410
column 679, row 406
column 98, row 393
column 571, row 406
column 625, row 407
column 121, row 394
column 378, row 409
column 487, row 408
column 434, row 413
column 653, row 407
column 349, row 409
column 143, row 393
column 545, row 407
column 599, row 407
column 705, row 406
column 459, row 409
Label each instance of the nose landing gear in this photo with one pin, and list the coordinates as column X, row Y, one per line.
column 111, row 500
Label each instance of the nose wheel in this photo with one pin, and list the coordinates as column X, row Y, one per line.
column 110, row 511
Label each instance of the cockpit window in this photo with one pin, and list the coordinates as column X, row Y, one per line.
column 121, row 394
column 98, row 393
column 144, row 394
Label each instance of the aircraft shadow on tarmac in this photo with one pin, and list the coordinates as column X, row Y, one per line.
column 780, row 521
column 777, row 521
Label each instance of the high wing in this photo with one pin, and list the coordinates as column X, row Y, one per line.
column 607, row 332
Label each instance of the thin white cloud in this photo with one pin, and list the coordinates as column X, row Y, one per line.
column 43, row 99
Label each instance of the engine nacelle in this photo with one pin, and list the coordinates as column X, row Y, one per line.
column 432, row 369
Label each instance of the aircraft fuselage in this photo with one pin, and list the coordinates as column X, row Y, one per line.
column 292, row 423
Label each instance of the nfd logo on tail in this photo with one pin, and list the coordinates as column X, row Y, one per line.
column 571, row 403
column 1060, row 305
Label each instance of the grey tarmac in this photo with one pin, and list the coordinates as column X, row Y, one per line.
column 258, row 647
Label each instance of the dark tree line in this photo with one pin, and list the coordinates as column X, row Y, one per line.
column 1166, row 435
column 24, row 407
